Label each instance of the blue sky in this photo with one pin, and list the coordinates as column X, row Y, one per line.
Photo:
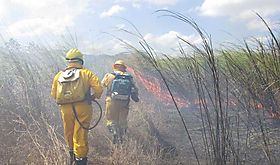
column 94, row 21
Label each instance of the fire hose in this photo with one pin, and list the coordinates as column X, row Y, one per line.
column 96, row 123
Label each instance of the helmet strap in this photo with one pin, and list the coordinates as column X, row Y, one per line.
column 119, row 67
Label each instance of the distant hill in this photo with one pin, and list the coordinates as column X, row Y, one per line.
column 101, row 64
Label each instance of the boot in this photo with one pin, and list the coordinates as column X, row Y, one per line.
column 115, row 138
column 125, row 131
column 115, row 134
column 81, row 161
column 110, row 128
column 121, row 134
column 72, row 157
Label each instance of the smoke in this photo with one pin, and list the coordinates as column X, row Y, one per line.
column 152, row 85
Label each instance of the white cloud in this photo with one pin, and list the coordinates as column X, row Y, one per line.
column 136, row 5
column 33, row 17
column 113, row 10
column 169, row 40
column 110, row 47
column 32, row 3
column 238, row 10
column 256, row 24
column 4, row 9
column 120, row 26
column 161, row 2
column 38, row 26
column 153, row 2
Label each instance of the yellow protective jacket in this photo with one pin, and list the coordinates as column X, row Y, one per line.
column 90, row 80
column 75, row 136
column 116, row 112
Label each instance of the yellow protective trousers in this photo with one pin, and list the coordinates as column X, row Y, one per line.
column 75, row 136
column 116, row 112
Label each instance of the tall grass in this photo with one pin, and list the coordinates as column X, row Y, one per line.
column 229, row 85
column 31, row 127
column 236, row 87
column 30, row 122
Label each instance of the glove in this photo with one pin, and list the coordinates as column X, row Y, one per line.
column 134, row 97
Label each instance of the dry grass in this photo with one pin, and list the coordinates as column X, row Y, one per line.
column 31, row 128
column 226, row 130
column 212, row 133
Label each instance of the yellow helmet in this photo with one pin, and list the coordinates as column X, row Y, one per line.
column 73, row 54
column 120, row 62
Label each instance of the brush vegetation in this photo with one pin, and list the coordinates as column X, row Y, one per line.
column 235, row 121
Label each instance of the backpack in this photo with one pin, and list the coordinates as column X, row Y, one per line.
column 70, row 87
column 121, row 87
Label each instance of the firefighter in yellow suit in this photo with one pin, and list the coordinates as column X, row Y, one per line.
column 75, row 136
column 116, row 111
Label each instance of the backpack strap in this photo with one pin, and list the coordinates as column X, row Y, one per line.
column 109, row 92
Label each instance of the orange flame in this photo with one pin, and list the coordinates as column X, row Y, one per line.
column 153, row 86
